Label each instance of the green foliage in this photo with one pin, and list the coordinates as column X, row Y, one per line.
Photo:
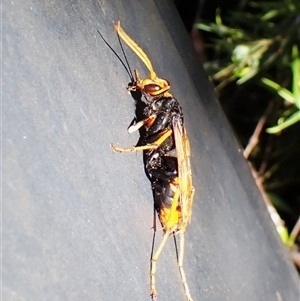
column 261, row 41
column 254, row 62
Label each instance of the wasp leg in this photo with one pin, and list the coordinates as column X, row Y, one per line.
column 154, row 258
column 149, row 121
column 153, row 293
column 181, row 270
column 168, row 231
column 154, row 145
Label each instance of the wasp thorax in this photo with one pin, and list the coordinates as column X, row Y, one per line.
column 154, row 87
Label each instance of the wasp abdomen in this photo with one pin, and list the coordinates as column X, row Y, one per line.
column 169, row 219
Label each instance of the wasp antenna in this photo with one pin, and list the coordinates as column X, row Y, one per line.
column 124, row 54
column 135, row 48
column 128, row 70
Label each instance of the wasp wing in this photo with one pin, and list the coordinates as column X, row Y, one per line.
column 184, row 172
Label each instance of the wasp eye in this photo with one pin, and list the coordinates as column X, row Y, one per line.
column 152, row 89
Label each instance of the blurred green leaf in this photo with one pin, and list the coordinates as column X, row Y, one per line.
column 254, row 47
column 284, row 234
column 296, row 75
column 269, row 15
column 288, row 122
column 284, row 93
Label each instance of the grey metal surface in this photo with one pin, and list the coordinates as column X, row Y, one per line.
column 76, row 216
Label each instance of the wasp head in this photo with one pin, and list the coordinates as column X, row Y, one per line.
column 153, row 87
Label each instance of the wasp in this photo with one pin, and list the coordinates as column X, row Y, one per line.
column 167, row 157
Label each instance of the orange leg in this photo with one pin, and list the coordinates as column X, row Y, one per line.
column 153, row 264
column 154, row 145
column 181, row 270
column 168, row 231
column 149, row 121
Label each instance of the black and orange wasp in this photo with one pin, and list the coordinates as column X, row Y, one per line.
column 167, row 156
